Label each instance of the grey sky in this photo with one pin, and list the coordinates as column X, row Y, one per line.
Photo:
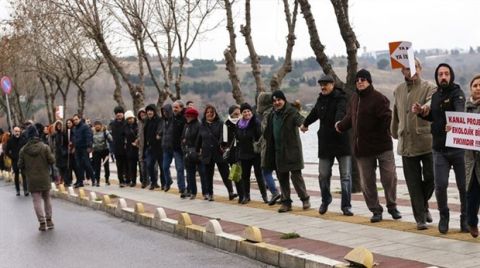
column 426, row 23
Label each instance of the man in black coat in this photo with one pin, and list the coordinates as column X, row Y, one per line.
column 82, row 142
column 14, row 145
column 152, row 146
column 117, row 129
column 330, row 108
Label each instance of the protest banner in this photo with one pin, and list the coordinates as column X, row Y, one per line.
column 464, row 130
column 401, row 56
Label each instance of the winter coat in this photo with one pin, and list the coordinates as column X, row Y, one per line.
column 117, row 130
column 61, row 149
column 230, row 141
column 246, row 137
column 190, row 134
column 290, row 156
column 131, row 132
column 151, row 132
column 172, row 129
column 472, row 158
column 82, row 136
column 35, row 159
column 369, row 116
column 412, row 132
column 330, row 109
column 13, row 148
column 140, row 136
column 100, row 140
column 264, row 108
column 209, row 139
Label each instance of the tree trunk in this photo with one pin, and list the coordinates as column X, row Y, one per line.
column 46, row 95
column 246, row 31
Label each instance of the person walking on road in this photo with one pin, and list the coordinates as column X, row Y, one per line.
column 414, row 142
column 447, row 97
column 331, row 107
column 369, row 116
column 284, row 149
column 12, row 151
column 35, row 159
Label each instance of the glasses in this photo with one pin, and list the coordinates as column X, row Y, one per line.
column 360, row 79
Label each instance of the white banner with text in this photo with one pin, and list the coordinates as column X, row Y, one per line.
column 464, row 130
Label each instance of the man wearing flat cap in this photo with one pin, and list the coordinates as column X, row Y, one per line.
column 330, row 108
column 369, row 116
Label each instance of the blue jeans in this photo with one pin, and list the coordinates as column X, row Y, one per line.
column 168, row 156
column 325, row 174
column 268, row 176
column 192, row 169
column 83, row 164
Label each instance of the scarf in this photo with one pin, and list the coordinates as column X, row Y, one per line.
column 225, row 128
column 476, row 102
column 243, row 124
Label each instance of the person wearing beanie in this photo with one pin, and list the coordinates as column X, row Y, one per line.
column 448, row 97
column 192, row 161
column 331, row 107
column 172, row 147
column 101, row 138
column 131, row 149
column 369, row 116
column 153, row 147
column 264, row 108
column 229, row 141
column 141, row 116
column 117, row 130
column 247, row 133
column 414, row 141
column 35, row 159
column 284, row 150
column 82, row 143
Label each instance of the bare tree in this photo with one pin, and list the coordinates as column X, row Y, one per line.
column 230, row 54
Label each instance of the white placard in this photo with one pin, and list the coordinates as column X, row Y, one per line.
column 465, row 130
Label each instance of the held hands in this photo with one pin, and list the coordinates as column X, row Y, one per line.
column 303, row 128
column 422, row 110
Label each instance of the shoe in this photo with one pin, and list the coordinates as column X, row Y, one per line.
column 232, row 196
column 274, row 199
column 133, row 184
column 284, row 208
column 265, row 199
column 121, row 185
column 183, row 195
column 443, row 223
column 42, row 227
column 377, row 217
column 50, row 224
column 306, row 204
column 168, row 187
column 347, row 212
column 463, row 224
column 144, row 185
column 18, row 193
column 428, row 217
column 205, row 197
column 421, row 226
column 210, row 198
column 473, row 231
column 193, row 196
column 323, row 208
column 395, row 213
column 97, row 184
column 152, row 187
column 246, row 200
column 78, row 185
column 163, row 187
column 240, row 200
column 26, row 194
column 107, row 183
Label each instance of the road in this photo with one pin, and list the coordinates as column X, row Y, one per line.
column 86, row 238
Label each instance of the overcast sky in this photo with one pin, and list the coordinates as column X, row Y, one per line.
column 426, row 23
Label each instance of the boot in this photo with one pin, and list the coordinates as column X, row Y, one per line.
column 443, row 223
column 232, row 196
column 463, row 224
column 42, row 227
column 50, row 224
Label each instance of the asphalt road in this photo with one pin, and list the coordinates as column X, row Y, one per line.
column 86, row 238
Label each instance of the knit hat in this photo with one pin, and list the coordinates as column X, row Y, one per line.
column 364, row 74
column 151, row 107
column 129, row 114
column 232, row 108
column 97, row 122
column 245, row 106
column 31, row 132
column 326, row 79
column 118, row 109
column 192, row 112
column 278, row 94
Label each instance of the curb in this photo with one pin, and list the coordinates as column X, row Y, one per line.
column 250, row 245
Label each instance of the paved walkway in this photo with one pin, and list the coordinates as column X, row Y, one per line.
column 389, row 238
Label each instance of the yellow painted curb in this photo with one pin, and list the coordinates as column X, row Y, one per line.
column 253, row 234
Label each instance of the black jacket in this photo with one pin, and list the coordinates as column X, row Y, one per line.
column 172, row 129
column 190, row 134
column 231, row 133
column 117, row 129
column 209, row 139
column 13, row 148
column 150, row 131
column 246, row 137
column 448, row 98
column 82, row 136
column 131, row 132
column 330, row 109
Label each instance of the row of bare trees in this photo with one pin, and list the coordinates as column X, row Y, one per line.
column 65, row 43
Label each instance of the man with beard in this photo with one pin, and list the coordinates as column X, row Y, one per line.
column 448, row 97
column 117, row 127
column 14, row 145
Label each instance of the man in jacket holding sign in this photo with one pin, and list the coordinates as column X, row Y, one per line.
column 448, row 97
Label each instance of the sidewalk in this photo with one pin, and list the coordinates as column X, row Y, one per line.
column 394, row 243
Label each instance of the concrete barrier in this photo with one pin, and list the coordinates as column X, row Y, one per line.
column 184, row 220
column 212, row 229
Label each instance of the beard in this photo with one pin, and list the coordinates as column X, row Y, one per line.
column 444, row 84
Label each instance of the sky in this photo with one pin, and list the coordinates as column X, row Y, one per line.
column 444, row 24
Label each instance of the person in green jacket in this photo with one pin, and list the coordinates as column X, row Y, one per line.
column 34, row 159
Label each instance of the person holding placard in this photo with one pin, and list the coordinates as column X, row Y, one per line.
column 472, row 163
column 448, row 97
column 414, row 141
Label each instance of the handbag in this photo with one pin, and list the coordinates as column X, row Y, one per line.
column 226, row 152
column 235, row 172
